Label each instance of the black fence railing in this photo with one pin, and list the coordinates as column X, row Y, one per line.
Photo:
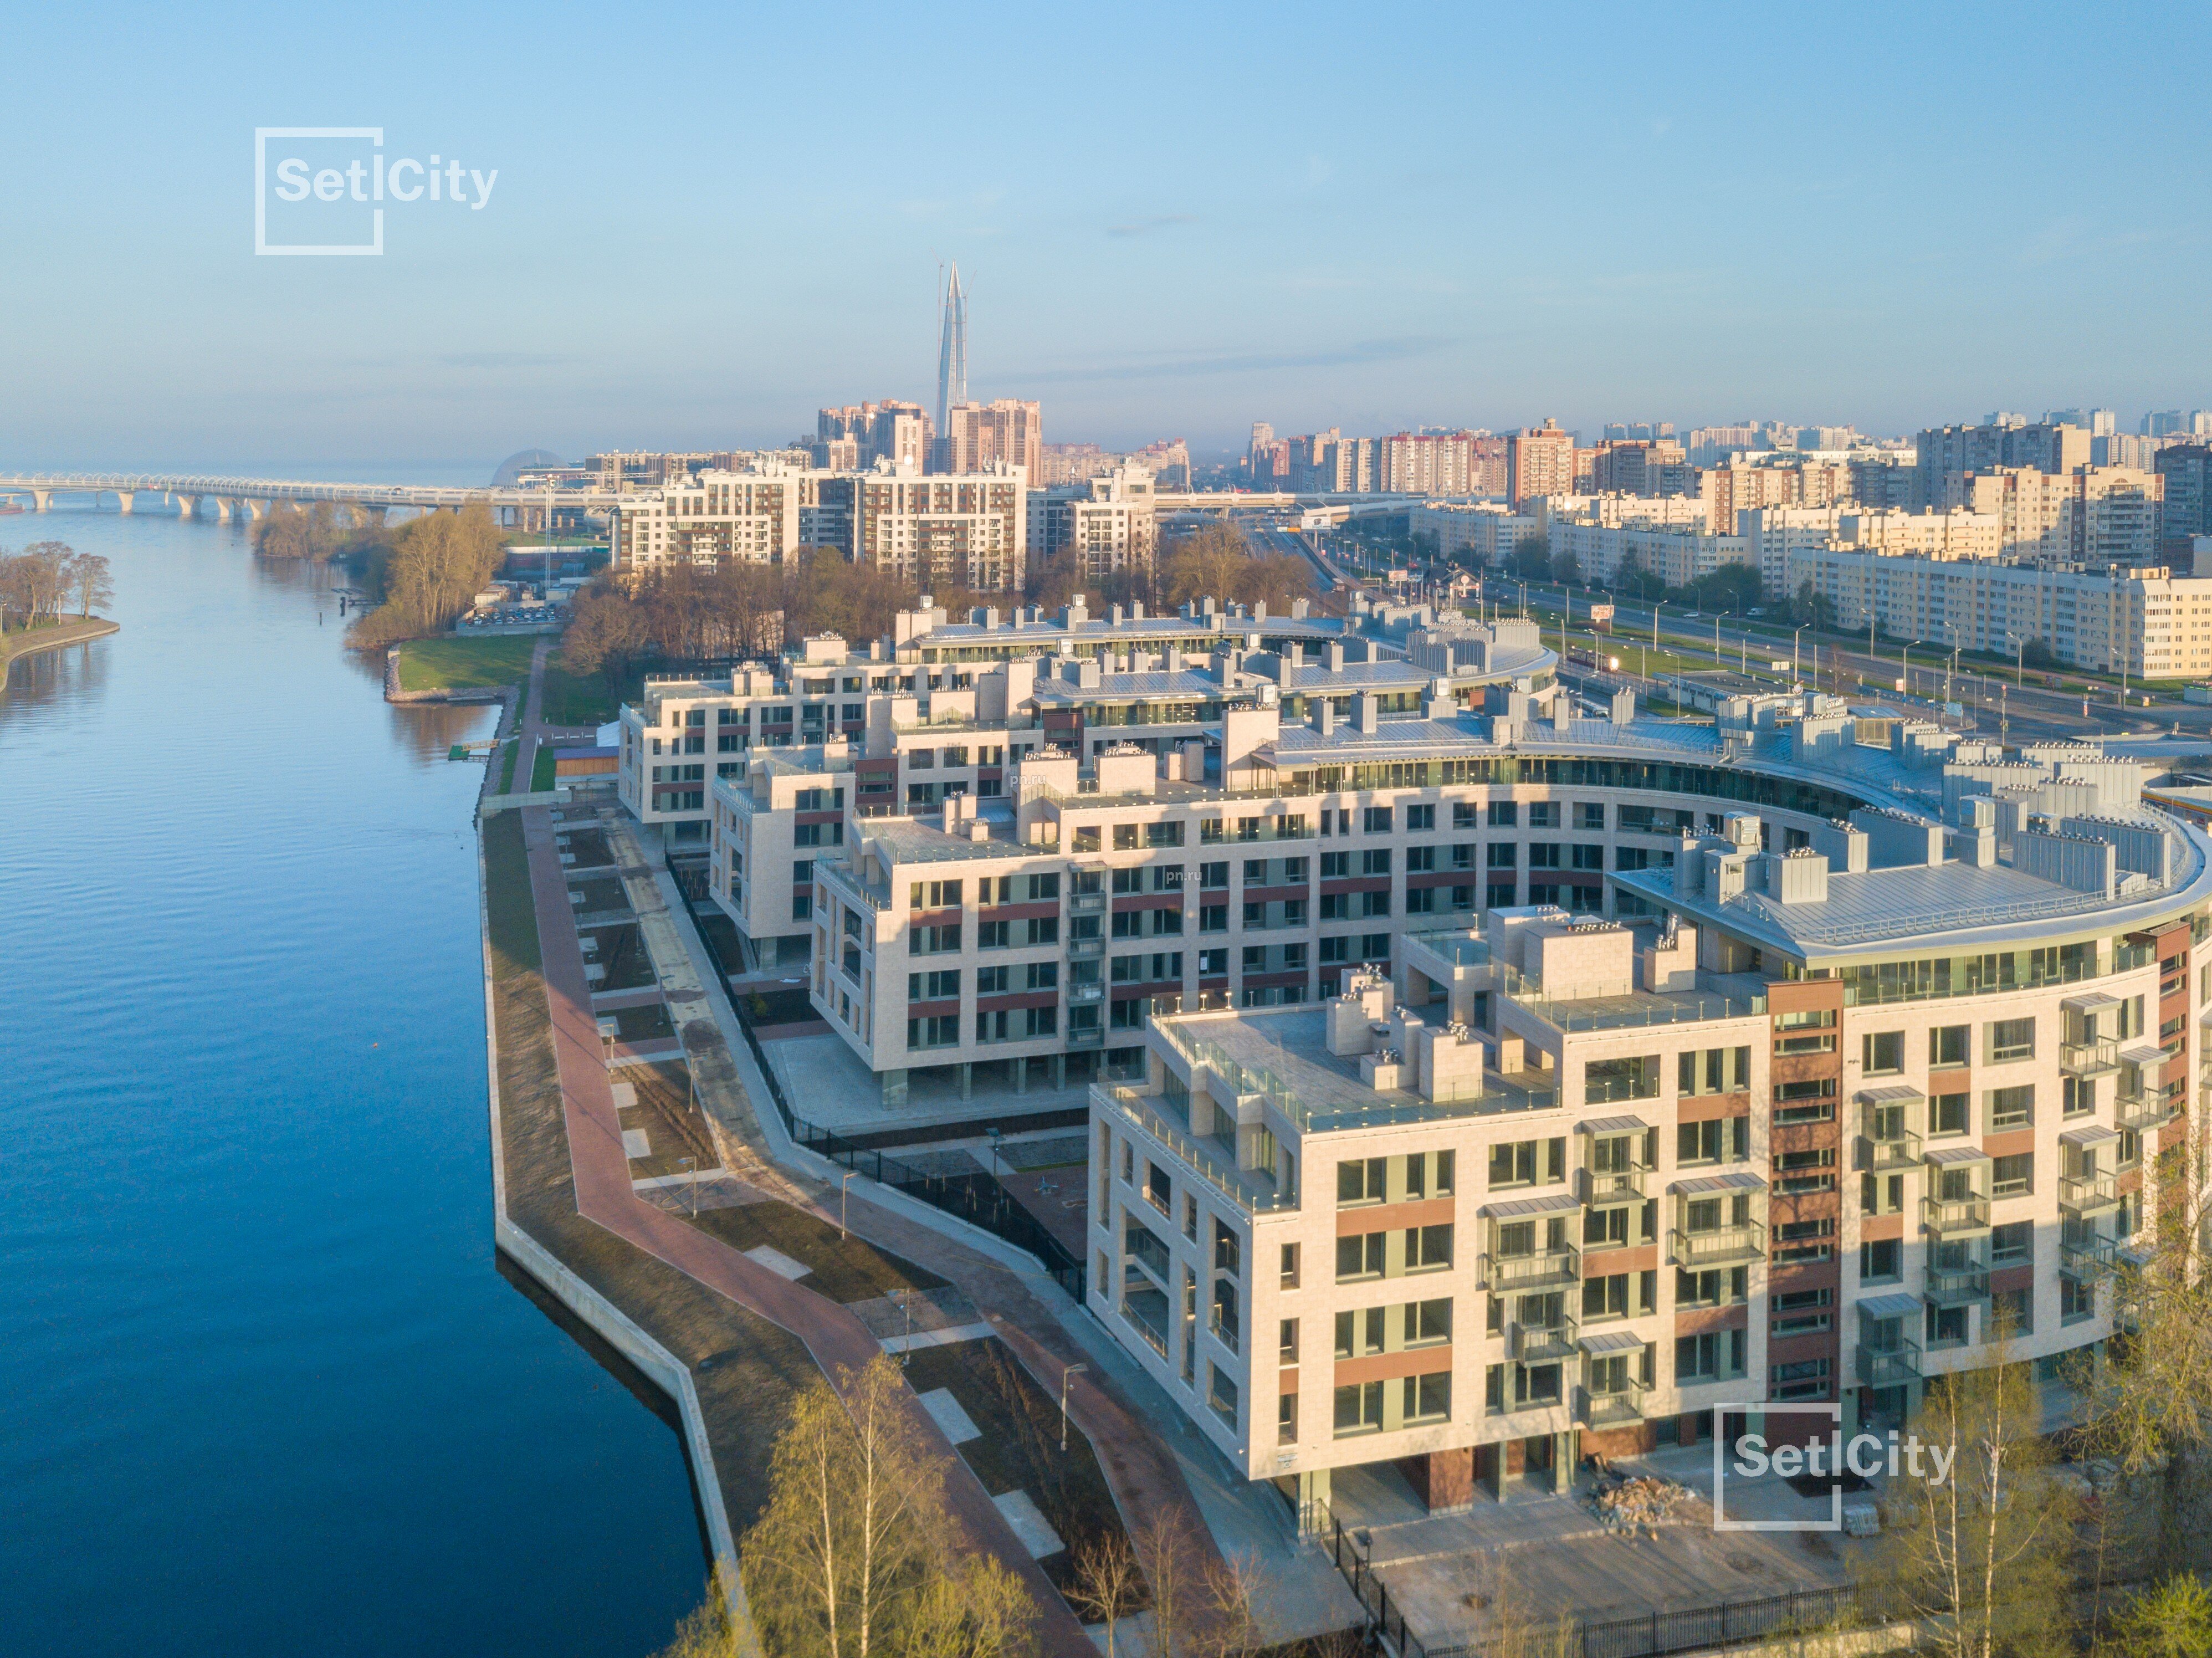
column 977, row 1197
column 1649, row 1635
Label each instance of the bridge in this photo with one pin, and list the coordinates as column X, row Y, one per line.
column 251, row 497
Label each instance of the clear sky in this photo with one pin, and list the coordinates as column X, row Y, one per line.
column 1175, row 221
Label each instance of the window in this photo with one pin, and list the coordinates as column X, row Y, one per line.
column 2010, row 1177
column 1213, row 877
column 1045, row 929
column 1504, row 814
column 1712, row 1071
column 1286, row 1419
column 1361, row 1180
column 1376, row 861
column 1544, row 854
column 1517, row 1162
column 990, row 935
column 1042, row 975
column 934, row 895
column 1428, row 1246
column 1502, row 855
column 1359, row 1256
column 1428, row 1322
column 1420, row 818
column 2011, row 1039
column 1427, row 1398
column 1883, row 1052
column 1588, row 857
column 1947, row 1114
column 936, row 987
column 1709, row 1357
column 1717, row 1140
column 934, row 941
column 1376, row 820
column 1543, row 814
column 1946, row 1046
column 1420, row 859
column 941, row 1030
column 1359, row 1408
column 1589, row 815
column 1719, row 1286
column 2014, row 1241
column 2010, row 1108
column 1881, row 1258
column 1536, row 1384
column 2011, row 1313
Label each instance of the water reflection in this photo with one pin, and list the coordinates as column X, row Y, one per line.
column 76, row 671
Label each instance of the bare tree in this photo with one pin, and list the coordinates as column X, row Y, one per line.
column 854, row 1522
column 1978, row 1541
column 88, row 577
column 981, row 1612
column 1107, row 1588
column 45, row 565
column 1163, row 1556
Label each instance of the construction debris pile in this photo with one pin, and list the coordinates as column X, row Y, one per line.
column 1629, row 1507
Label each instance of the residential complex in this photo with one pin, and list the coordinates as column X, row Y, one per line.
column 1109, row 519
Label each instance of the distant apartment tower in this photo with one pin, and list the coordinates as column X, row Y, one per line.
column 1945, row 454
column 2098, row 422
column 1488, row 467
column 1639, row 466
column 943, row 530
column 1540, row 460
column 2184, row 473
column 978, row 436
column 2174, row 423
column 1110, row 522
column 858, row 435
column 1426, row 464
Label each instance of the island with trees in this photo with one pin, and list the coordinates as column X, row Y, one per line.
column 49, row 593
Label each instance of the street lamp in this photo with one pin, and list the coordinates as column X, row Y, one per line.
column 691, row 1168
column 844, row 1200
column 1064, row 1376
column 1905, row 664
column 1796, row 674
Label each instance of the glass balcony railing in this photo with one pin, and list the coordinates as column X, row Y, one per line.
column 1534, row 1271
column 1955, row 1217
column 1900, row 1150
column 1606, row 1185
column 2089, row 1059
column 2088, row 1194
column 1612, row 1406
column 1958, row 1286
column 2087, row 1258
column 1890, row 1367
column 1532, row 1342
column 1723, row 1246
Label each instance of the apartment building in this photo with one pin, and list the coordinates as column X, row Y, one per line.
column 855, row 437
column 1540, row 460
column 2145, row 621
column 2094, row 515
column 1426, row 464
column 1484, row 532
column 1945, row 455
column 752, row 516
column 2185, row 476
column 1110, row 519
column 1678, row 554
column 1860, row 1084
column 981, row 437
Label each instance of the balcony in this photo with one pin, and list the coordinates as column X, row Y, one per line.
column 1958, row 1286
column 2096, row 1057
column 1086, row 1036
column 1534, row 1343
column 1092, row 991
column 2088, row 1194
column 1613, row 1185
column 1085, row 950
column 1725, row 1246
column 1955, row 1218
column 2142, row 1111
column 2088, row 1258
column 1087, row 903
column 1501, row 1273
column 1890, row 1367
column 1898, row 1150
column 1612, row 1408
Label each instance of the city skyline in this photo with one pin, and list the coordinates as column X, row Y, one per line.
column 1244, row 256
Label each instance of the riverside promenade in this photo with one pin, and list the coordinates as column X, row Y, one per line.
column 743, row 1335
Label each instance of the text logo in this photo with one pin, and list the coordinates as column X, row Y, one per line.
column 323, row 189
column 1784, row 1451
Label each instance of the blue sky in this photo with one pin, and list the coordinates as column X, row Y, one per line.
column 1175, row 221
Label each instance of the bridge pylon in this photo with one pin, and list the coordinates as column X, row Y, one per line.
column 41, row 500
column 123, row 500
column 187, row 505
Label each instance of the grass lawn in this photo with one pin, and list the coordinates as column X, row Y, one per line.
column 464, row 665
column 1019, row 1450
column 573, row 698
column 50, row 632
column 845, row 1269
column 507, row 765
column 541, row 769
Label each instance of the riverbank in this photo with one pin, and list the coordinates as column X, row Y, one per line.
column 53, row 635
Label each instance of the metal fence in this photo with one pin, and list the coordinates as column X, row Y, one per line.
column 977, row 1198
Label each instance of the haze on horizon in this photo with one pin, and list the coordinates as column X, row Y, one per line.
column 1175, row 221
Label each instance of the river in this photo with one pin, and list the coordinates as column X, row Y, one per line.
column 262, row 1386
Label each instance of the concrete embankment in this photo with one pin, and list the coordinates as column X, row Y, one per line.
column 728, row 1372
column 34, row 641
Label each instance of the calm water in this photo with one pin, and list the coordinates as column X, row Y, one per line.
column 261, row 1387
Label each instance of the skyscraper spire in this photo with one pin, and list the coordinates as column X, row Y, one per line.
column 952, row 351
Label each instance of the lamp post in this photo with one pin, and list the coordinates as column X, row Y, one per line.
column 690, row 1167
column 1795, row 674
column 1905, row 664
column 844, row 1199
column 1064, row 1376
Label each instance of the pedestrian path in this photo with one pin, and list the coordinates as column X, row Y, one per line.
column 838, row 1342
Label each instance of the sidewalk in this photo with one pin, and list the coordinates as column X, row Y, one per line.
column 1156, row 1462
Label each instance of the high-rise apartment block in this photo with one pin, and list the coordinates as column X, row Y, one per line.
column 978, row 436
column 2184, row 475
column 1540, row 461
column 858, row 435
column 1945, row 454
column 1110, row 522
